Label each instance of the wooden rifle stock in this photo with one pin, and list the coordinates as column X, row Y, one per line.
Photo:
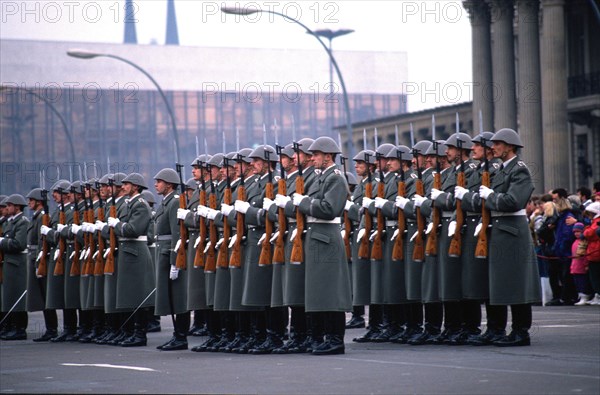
column 99, row 264
column 398, row 249
column 236, row 254
column 363, row 249
column 75, row 267
column 89, row 260
column 377, row 249
column 109, row 266
column 1, row 259
column 348, row 231
column 211, row 262
column 431, row 247
column 279, row 252
column 199, row 257
column 481, row 249
column 419, row 247
column 42, row 270
column 223, row 256
column 266, row 257
column 180, row 261
column 297, row 245
column 455, row 244
column 59, row 267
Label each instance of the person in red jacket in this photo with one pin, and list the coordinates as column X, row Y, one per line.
column 593, row 250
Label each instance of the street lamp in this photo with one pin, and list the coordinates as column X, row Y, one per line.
column 330, row 35
column 83, row 54
column 55, row 111
column 250, row 11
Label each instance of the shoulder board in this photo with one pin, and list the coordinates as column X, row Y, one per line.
column 276, row 178
column 337, row 171
column 352, row 198
column 495, row 165
column 521, row 163
column 142, row 200
column 377, row 179
column 175, row 196
column 472, row 165
column 413, row 175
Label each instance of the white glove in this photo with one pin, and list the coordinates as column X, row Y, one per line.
column 82, row 254
column 106, row 251
column 60, row 227
column 478, row 229
column 435, row 193
column 361, row 234
column 196, row 242
column 182, row 213
column 373, row 235
column 294, row 233
column 343, row 233
column 95, row 255
column 267, row 203
column 72, row 255
column 297, row 199
column 379, row 202
column 44, row 230
column 177, row 245
column 207, row 247
column 112, row 222
column 485, row 192
column 348, row 205
column 396, row 233
column 57, row 253
column 262, row 238
column 174, row 273
column 232, row 241
column 87, row 253
column 241, row 206
column 219, row 243
column 460, row 192
column 418, row 199
column 88, row 227
column 401, row 202
column 226, row 209
column 451, row 228
column 414, row 236
column 39, row 256
column 211, row 215
column 202, row 211
column 100, row 225
column 274, row 237
column 429, row 228
column 282, row 200
column 366, row 202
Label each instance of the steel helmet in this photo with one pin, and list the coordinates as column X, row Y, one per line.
column 216, row 160
column 75, row 187
column 508, row 136
column 148, row 196
column 168, row 175
column 118, row 178
column 304, row 145
column 260, row 152
column 422, row 146
column 63, row 185
column 441, row 149
column 104, row 179
column 2, row 199
column 244, row 154
column 452, row 141
column 288, row 151
column 487, row 136
column 326, row 145
column 384, row 149
column 35, row 193
column 136, row 179
column 351, row 178
column 199, row 161
column 362, row 156
column 16, row 199
column 395, row 153
column 92, row 183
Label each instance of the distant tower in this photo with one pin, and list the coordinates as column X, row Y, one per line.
column 130, row 35
column 172, row 35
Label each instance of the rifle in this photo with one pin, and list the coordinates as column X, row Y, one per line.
column 455, row 244
column 235, row 260
column 347, row 223
column 363, row 249
column 431, row 248
column 279, row 253
column 377, row 250
column 59, row 268
column 223, row 256
column 398, row 249
column 109, row 266
column 99, row 263
column 419, row 248
column 75, row 269
column 91, row 245
column 1, row 259
column 297, row 255
column 180, row 262
column 199, row 257
column 42, row 270
column 481, row 249
column 210, row 263
column 266, row 255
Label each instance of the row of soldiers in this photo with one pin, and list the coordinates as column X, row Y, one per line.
column 243, row 246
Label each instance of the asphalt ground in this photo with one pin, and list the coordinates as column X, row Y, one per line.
column 564, row 358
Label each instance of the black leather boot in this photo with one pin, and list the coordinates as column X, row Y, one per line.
column 518, row 337
column 334, row 345
column 211, row 341
column 49, row 334
column 272, row 342
column 137, row 340
column 178, row 342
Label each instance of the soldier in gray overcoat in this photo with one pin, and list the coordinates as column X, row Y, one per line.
column 328, row 294
column 13, row 244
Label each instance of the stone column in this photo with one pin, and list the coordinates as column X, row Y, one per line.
column 554, row 92
column 479, row 14
column 529, row 93
column 503, row 64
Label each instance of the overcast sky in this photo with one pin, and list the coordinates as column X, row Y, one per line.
column 435, row 34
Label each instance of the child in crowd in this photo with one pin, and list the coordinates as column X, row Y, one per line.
column 579, row 267
column 593, row 249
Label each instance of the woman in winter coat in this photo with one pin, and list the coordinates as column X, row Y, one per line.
column 593, row 248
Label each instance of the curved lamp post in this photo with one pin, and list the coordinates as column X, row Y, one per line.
column 55, row 111
column 246, row 11
column 82, row 54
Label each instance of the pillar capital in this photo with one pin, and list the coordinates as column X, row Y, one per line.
column 553, row 3
column 479, row 11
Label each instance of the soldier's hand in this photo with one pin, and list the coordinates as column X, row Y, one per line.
column 366, row 202
column 207, row 247
column 401, row 202
column 182, row 213
column 267, row 203
column 435, row 193
column 485, row 192
column 212, row 214
column 57, row 253
column 282, row 200
column 294, row 233
column 396, row 233
column 418, row 199
column 297, row 199
column 60, row 227
column 177, row 245
column 373, row 235
column 361, row 234
column 274, row 237
column 44, row 229
column 429, row 228
column 82, row 254
column 75, row 228
column 173, row 273
column 196, row 242
column 88, row 227
column 262, row 238
column 478, row 229
column 451, row 228
column 226, row 209
column 221, row 240
column 460, row 192
column 112, row 221
column 379, row 202
column 39, row 256
column 348, row 205
column 232, row 240
column 343, row 233
column 241, row 206
column 100, row 225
